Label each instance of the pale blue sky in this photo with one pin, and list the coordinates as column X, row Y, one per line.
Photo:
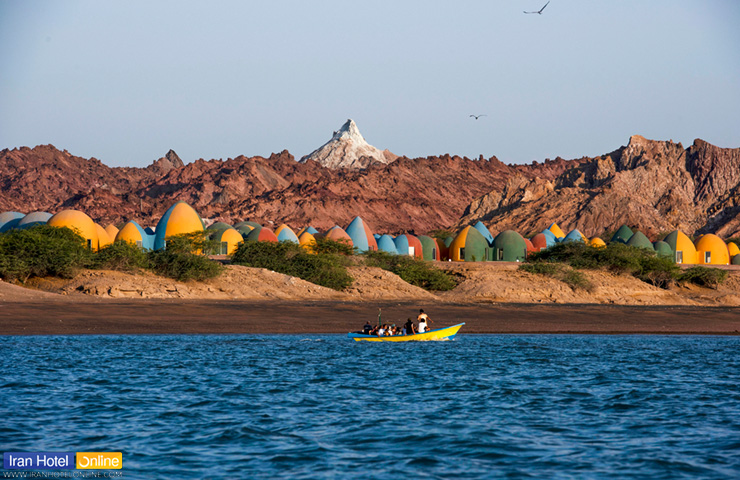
column 126, row 81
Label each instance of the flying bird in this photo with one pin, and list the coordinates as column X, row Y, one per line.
column 539, row 12
column 478, row 116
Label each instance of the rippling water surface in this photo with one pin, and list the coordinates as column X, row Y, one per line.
column 323, row 407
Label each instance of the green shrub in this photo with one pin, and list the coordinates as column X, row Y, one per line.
column 703, row 276
column 42, row 251
column 183, row 266
column 441, row 234
column 195, row 242
column 541, row 268
column 121, row 256
column 412, row 270
column 571, row 277
column 616, row 257
column 184, row 258
column 333, row 247
column 325, row 269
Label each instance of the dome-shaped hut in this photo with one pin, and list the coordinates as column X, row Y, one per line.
column 484, row 231
column 469, row 246
column 622, row 235
column 78, row 221
column 639, row 240
column 682, row 246
column 429, row 248
column 712, row 250
column 286, row 234
column 133, row 233
column 361, row 235
column 9, row 220
column 407, row 244
column 261, row 234
column 509, row 246
column 228, row 240
column 34, row 218
column 662, row 249
column 386, row 244
column 179, row 219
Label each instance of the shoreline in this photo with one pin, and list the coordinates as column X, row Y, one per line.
column 49, row 317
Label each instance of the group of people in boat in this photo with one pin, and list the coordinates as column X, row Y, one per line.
column 409, row 328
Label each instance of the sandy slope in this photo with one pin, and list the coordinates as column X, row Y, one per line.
column 479, row 283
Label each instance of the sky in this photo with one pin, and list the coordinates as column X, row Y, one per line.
column 127, row 81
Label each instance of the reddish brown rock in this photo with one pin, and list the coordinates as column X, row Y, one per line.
column 654, row 186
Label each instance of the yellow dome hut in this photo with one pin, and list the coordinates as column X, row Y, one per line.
column 78, row 221
column 711, row 250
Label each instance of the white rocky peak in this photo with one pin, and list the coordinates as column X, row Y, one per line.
column 348, row 149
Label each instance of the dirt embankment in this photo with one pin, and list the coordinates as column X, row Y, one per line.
column 478, row 284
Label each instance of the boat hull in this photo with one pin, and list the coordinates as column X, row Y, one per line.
column 439, row 335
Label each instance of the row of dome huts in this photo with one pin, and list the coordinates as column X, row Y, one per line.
column 472, row 243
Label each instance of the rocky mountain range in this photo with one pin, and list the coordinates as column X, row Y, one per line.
column 652, row 185
column 655, row 186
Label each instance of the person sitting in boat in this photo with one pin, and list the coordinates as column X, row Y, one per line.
column 367, row 328
column 409, row 328
column 382, row 331
column 424, row 321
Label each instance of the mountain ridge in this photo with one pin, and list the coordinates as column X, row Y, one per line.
column 659, row 185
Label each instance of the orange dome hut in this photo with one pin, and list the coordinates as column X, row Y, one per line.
column 178, row 219
column 597, row 242
column 338, row 234
column 711, row 250
column 112, row 231
column 733, row 249
column 682, row 246
column 78, row 221
column 229, row 240
column 103, row 238
column 133, row 233
column 261, row 234
column 470, row 246
column 539, row 242
column 286, row 234
column 307, row 241
column 557, row 231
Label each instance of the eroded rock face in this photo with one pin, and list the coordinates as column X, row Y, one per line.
column 348, row 149
column 655, row 186
column 414, row 195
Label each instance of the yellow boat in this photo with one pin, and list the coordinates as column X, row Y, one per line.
column 440, row 334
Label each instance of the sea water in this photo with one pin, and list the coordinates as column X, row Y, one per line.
column 322, row 406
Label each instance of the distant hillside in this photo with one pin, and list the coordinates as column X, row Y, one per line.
column 407, row 195
column 653, row 185
column 656, row 186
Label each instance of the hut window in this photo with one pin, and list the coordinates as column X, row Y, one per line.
column 224, row 248
column 434, row 254
column 501, row 254
column 411, row 251
column 707, row 257
column 139, row 244
column 89, row 244
column 485, row 254
column 462, row 254
column 679, row 256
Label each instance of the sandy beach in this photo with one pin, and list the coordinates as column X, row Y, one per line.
column 52, row 317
